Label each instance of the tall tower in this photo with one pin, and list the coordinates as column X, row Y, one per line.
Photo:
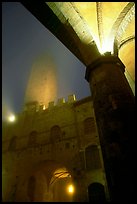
column 42, row 84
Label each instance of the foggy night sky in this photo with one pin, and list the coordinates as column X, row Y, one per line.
column 24, row 38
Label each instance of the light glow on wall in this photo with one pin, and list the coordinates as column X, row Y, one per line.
column 44, row 107
column 71, row 189
column 11, row 118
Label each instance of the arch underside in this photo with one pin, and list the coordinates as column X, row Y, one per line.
column 84, row 26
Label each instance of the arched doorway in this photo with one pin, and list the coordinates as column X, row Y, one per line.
column 96, row 193
column 61, row 186
column 49, row 181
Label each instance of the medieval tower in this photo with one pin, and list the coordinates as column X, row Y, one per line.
column 46, row 151
column 42, row 85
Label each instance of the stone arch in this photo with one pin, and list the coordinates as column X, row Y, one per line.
column 55, row 134
column 40, row 182
column 100, row 21
column 89, row 125
column 96, row 193
column 13, row 143
column 117, row 31
column 59, row 185
column 126, row 40
column 32, row 138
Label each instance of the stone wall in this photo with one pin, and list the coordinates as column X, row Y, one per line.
column 47, row 139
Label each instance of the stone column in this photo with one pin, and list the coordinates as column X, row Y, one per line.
column 80, row 192
column 114, row 107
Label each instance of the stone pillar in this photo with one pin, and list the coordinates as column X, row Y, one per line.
column 80, row 192
column 114, row 107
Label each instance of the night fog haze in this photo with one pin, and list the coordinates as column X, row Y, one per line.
column 25, row 41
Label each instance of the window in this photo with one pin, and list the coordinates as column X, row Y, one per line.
column 89, row 125
column 32, row 138
column 55, row 134
column 92, row 157
column 12, row 144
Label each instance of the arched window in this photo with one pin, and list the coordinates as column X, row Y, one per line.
column 92, row 157
column 55, row 134
column 32, row 138
column 89, row 125
column 12, row 144
column 31, row 188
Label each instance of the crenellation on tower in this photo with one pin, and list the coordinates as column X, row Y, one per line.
column 31, row 106
column 40, row 106
column 71, row 98
column 51, row 104
column 60, row 101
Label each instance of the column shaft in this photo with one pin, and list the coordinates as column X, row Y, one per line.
column 114, row 107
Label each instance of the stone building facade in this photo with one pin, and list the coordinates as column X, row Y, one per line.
column 45, row 150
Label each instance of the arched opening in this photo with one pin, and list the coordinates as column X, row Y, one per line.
column 61, row 186
column 96, row 193
column 93, row 160
column 89, row 125
column 55, row 134
column 32, row 138
column 48, row 181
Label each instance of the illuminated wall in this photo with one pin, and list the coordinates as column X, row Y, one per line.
column 39, row 145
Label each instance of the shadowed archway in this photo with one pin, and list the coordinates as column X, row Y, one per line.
column 96, row 193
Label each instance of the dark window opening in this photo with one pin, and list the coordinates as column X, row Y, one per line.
column 92, row 157
column 32, row 139
column 89, row 125
column 55, row 134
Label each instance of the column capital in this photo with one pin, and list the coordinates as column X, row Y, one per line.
column 104, row 59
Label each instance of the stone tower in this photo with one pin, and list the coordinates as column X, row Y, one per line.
column 42, row 84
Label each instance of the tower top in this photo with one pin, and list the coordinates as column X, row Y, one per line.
column 42, row 83
column 40, row 106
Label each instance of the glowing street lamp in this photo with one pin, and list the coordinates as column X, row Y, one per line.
column 71, row 189
column 11, row 118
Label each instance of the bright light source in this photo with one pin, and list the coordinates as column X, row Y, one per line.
column 105, row 46
column 70, row 189
column 11, row 118
column 44, row 107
